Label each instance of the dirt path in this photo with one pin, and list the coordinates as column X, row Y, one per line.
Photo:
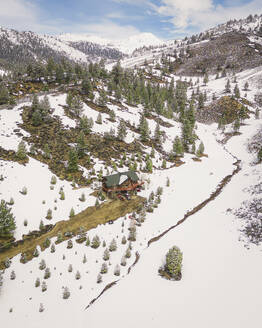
column 88, row 219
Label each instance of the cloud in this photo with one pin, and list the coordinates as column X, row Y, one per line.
column 188, row 14
column 18, row 13
column 106, row 29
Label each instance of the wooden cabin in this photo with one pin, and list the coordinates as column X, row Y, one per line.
column 122, row 181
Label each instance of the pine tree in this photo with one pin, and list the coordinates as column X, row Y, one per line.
column 205, row 80
column 106, row 255
column 42, row 265
column 236, row 125
column 21, row 151
column 259, row 155
column 69, row 244
column 95, row 242
column 62, row 195
column 113, row 246
column 37, row 282
column 149, row 166
column 49, row 214
column 77, row 105
column 41, row 307
column 36, row 252
column 174, row 262
column 72, row 161
column 200, row 149
column 44, row 286
column 47, row 153
column 78, row 275
column 52, row 248
column 47, row 273
column 12, row 275
column 143, row 129
column 236, row 91
column 128, row 253
column 246, row 86
column 7, row 220
column 72, row 213
column 123, row 261
column 86, row 124
column 158, row 134
column 104, row 268
column 123, row 240
column 99, row 278
column 228, row 87
column 187, row 136
column 178, row 147
column 117, row 270
column 121, row 130
column 4, row 94
column 66, row 293
column 53, row 180
column 99, row 119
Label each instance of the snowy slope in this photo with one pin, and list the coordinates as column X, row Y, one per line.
column 126, row 46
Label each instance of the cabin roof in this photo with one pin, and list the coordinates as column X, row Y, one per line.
column 119, row 178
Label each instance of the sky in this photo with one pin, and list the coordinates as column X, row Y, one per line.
column 119, row 19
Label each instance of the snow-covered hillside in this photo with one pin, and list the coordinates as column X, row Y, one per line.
column 127, row 46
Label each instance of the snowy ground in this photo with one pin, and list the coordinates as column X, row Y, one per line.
column 221, row 278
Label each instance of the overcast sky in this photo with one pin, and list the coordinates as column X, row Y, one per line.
column 117, row 19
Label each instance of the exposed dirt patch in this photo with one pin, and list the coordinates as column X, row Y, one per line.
column 87, row 219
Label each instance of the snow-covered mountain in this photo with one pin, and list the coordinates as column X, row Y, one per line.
column 126, row 46
column 24, row 47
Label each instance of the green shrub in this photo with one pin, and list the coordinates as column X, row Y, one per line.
column 174, row 263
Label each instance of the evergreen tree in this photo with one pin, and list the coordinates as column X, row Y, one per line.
column 113, row 246
column 78, row 275
column 143, row 129
column 47, row 273
column 37, row 282
column 246, row 86
column 7, row 220
column 47, row 153
column 259, row 155
column 121, row 130
column 72, row 161
column 21, row 151
column 205, row 80
column 4, row 94
column 236, row 125
column 99, row 119
column 187, row 135
column 81, row 145
column 95, row 242
column 178, row 147
column 12, row 275
column 200, row 150
column 42, row 265
column 149, row 166
column 86, row 124
column 44, row 286
column 66, row 293
column 36, row 118
column 72, row 213
column 236, row 91
column 117, row 270
column 69, row 99
column 228, row 87
column 104, row 268
column 174, row 262
column 158, row 134
column 77, row 105
column 106, row 255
